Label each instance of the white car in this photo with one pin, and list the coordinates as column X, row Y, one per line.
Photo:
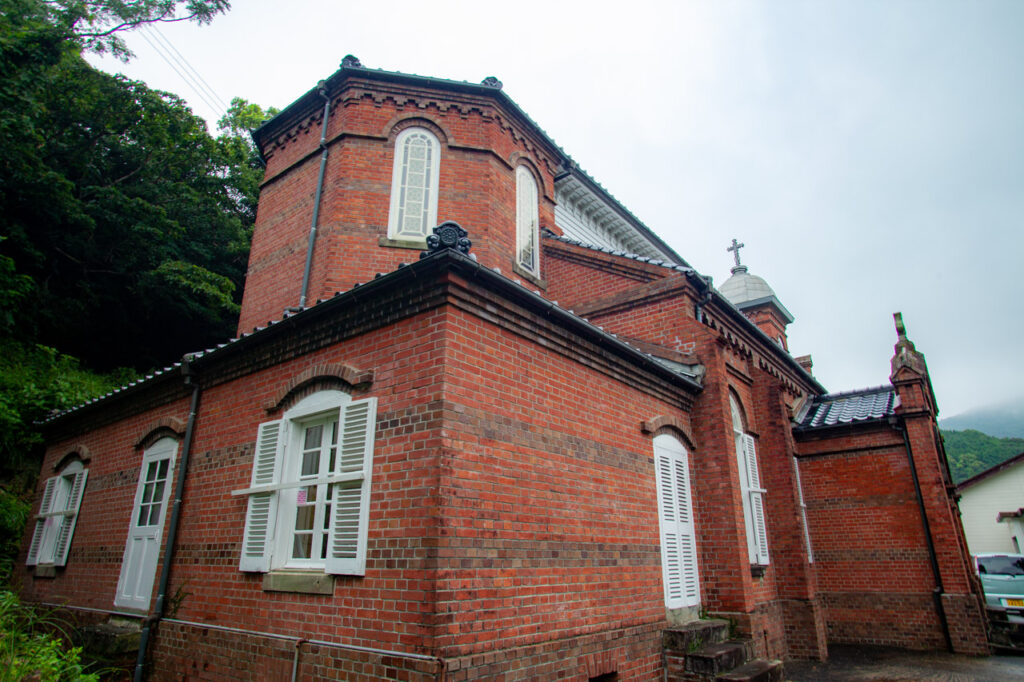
column 1002, row 576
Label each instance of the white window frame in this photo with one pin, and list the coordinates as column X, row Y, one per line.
column 750, row 488
column 401, row 190
column 58, row 516
column 678, row 537
column 527, row 221
column 272, row 506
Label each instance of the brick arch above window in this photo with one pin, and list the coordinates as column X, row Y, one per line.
column 519, row 158
column 674, row 425
column 77, row 452
column 394, row 127
column 165, row 426
column 320, row 377
column 738, row 411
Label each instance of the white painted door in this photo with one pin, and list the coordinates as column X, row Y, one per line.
column 142, row 551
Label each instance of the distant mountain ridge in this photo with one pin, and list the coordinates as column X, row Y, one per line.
column 1005, row 420
column 970, row 452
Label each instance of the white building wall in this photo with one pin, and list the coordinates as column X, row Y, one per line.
column 981, row 503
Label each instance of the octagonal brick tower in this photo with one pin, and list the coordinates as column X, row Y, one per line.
column 465, row 152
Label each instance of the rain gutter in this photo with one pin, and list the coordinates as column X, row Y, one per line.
column 322, row 91
column 938, row 591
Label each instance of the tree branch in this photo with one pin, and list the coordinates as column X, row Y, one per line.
column 133, row 24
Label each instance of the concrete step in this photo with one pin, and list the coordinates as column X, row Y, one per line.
column 713, row 659
column 683, row 639
column 758, row 670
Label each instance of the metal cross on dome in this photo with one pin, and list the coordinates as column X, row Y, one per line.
column 735, row 248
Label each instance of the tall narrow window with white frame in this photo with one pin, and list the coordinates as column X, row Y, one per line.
column 414, row 185
column 527, row 221
column 750, row 487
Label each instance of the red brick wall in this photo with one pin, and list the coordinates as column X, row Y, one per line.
column 869, row 546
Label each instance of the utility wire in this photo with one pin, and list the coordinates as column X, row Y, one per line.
column 190, row 81
column 155, row 30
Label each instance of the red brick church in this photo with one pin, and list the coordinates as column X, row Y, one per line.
column 480, row 422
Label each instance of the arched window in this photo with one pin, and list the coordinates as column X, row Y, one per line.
column 414, row 185
column 58, row 514
column 750, row 486
column 527, row 220
column 675, row 523
column 309, row 499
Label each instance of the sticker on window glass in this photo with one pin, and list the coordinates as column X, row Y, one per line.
column 302, row 496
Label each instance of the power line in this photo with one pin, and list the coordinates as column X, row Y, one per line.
column 206, row 86
column 207, row 95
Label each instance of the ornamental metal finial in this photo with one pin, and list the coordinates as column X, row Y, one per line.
column 447, row 235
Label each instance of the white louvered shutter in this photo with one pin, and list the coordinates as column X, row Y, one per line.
column 70, row 518
column 675, row 521
column 803, row 510
column 756, row 501
column 40, row 529
column 350, row 508
column 261, row 514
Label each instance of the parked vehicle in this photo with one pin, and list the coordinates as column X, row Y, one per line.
column 1002, row 577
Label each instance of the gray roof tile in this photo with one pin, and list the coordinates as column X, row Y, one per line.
column 846, row 408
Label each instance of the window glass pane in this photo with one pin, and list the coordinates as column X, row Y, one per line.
column 304, row 518
column 310, row 463
column 314, row 434
column 301, row 546
column 143, row 519
column 158, row 491
column 162, row 470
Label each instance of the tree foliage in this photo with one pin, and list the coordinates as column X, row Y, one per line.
column 96, row 24
column 970, row 452
column 124, row 225
column 132, row 222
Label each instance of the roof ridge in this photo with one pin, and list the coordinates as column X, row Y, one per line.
column 882, row 388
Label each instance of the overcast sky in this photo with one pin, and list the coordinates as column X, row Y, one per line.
column 870, row 154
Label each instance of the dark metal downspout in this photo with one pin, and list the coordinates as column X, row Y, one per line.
column 191, row 379
column 938, row 591
column 322, row 90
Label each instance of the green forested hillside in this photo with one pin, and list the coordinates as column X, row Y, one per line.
column 124, row 225
column 970, row 452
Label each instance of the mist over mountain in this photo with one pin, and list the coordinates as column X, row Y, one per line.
column 1003, row 420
